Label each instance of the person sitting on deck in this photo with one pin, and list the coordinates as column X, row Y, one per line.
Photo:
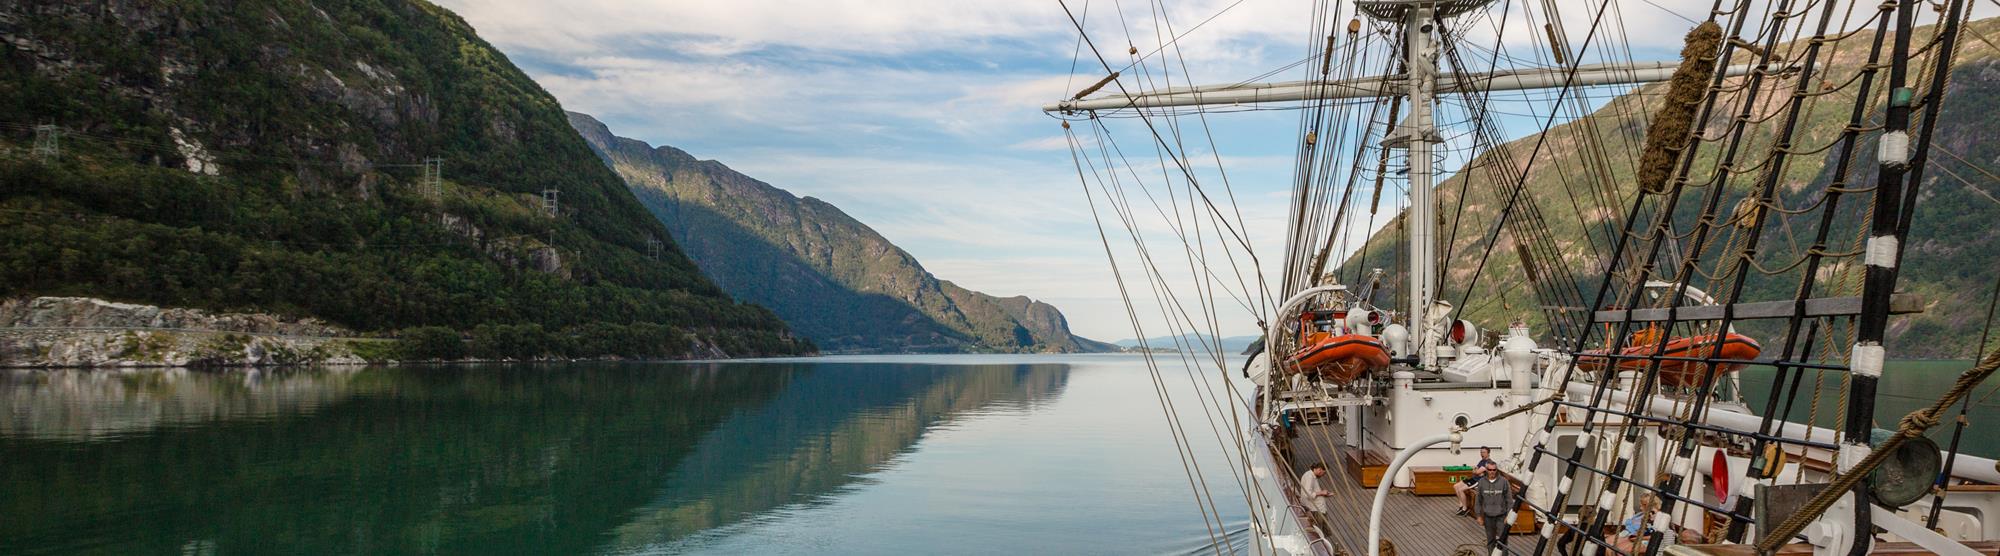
column 1463, row 489
column 1496, row 498
column 1641, row 526
column 1312, row 490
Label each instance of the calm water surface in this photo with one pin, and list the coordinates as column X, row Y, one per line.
column 961, row 454
column 955, row 454
column 1906, row 386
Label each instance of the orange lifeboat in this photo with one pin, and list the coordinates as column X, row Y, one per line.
column 1339, row 358
column 1675, row 373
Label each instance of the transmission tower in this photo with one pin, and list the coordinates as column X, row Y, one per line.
column 434, row 177
column 48, row 141
column 549, row 200
column 653, row 247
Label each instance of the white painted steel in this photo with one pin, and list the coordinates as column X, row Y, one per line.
column 1382, row 85
column 1382, row 489
column 1418, row 133
column 1889, row 521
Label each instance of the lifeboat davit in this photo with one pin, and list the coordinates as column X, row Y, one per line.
column 1340, row 358
column 1675, row 373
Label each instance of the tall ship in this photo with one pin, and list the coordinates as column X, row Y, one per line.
column 1740, row 208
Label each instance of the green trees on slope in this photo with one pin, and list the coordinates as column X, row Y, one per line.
column 315, row 115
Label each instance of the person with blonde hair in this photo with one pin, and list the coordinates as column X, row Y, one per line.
column 1642, row 524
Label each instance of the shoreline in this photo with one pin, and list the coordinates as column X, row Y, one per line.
column 93, row 333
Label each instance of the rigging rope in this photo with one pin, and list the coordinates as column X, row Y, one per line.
column 1912, row 425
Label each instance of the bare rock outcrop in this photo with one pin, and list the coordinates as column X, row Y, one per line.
column 90, row 332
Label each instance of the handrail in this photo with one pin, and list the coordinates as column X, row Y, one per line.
column 1389, row 478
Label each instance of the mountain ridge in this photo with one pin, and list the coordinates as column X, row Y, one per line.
column 267, row 156
column 829, row 275
column 1231, row 345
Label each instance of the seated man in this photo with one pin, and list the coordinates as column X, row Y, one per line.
column 1312, row 488
column 1464, row 488
column 1640, row 526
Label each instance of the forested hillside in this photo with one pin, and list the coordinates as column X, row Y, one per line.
column 831, row 277
column 268, row 155
column 1949, row 260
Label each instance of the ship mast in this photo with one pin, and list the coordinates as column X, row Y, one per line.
column 1417, row 134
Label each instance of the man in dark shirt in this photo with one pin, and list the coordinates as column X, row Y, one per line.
column 1464, row 488
column 1495, row 493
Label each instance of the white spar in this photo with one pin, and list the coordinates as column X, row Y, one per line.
column 1382, row 85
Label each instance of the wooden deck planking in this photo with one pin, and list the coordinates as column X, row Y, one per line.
column 1416, row 524
column 1881, row 549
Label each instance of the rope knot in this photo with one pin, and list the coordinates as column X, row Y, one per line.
column 1919, row 421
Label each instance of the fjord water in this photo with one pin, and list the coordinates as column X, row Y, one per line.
column 844, row 455
column 959, row 454
column 1906, row 386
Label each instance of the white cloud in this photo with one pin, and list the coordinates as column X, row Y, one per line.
column 1050, row 143
column 882, row 26
column 921, row 118
column 943, row 207
column 582, row 26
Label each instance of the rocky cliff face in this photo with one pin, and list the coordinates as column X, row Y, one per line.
column 85, row 332
column 84, row 312
column 829, row 276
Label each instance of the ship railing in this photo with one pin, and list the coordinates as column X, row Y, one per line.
column 1555, row 519
column 1702, row 426
column 1690, row 359
column 1288, row 487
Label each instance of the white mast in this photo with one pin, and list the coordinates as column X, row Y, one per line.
column 1416, row 135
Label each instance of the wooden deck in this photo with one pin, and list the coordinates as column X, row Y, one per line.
column 1424, row 525
column 1881, row 549
column 1416, row 524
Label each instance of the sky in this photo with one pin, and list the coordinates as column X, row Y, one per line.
column 922, row 118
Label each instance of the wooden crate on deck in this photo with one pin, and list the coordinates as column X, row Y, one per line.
column 1365, row 466
column 1435, row 481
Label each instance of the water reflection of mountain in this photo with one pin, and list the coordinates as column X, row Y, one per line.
column 824, row 432
column 486, row 460
column 556, row 460
column 109, row 403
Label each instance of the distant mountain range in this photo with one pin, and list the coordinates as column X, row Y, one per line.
column 1230, row 344
column 829, row 276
